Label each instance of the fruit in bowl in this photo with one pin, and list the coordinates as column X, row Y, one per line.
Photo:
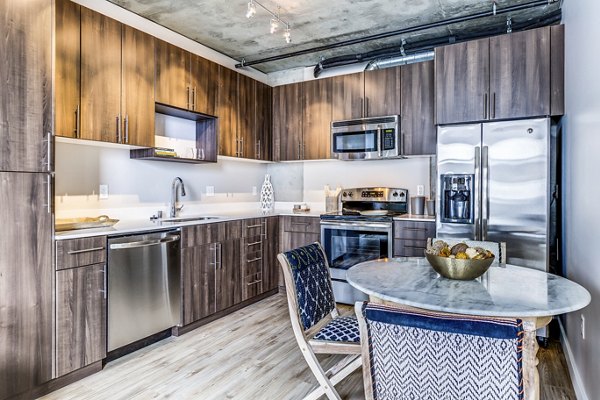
column 459, row 261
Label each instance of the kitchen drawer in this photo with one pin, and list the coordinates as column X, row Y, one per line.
column 409, row 248
column 302, row 224
column 413, row 230
column 80, row 252
column 253, row 227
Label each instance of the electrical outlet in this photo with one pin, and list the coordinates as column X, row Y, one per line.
column 210, row 191
column 254, row 191
column 103, row 192
column 583, row 326
column 420, row 190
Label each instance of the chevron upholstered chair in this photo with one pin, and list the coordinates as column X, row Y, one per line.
column 316, row 322
column 414, row 354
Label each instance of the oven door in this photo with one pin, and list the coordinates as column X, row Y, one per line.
column 349, row 243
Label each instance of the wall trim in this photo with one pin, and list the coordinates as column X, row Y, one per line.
column 580, row 393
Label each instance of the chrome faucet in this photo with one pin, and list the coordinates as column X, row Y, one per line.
column 177, row 182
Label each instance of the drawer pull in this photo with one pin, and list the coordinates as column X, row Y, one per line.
column 254, row 260
column 254, row 226
column 301, row 223
column 254, row 243
column 416, row 229
column 253, row 282
column 414, row 247
column 73, row 252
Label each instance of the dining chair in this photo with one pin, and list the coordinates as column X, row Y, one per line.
column 498, row 248
column 416, row 354
column 316, row 322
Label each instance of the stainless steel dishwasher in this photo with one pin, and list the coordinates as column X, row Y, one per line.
column 144, row 298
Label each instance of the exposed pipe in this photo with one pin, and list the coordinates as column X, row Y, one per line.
column 389, row 62
column 518, row 7
column 429, row 44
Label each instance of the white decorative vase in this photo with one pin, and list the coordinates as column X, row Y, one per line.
column 266, row 195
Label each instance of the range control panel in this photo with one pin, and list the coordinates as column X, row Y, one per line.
column 375, row 194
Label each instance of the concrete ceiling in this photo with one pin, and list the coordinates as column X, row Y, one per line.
column 223, row 26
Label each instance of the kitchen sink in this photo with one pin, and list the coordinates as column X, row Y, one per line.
column 186, row 219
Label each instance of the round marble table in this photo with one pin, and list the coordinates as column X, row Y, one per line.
column 504, row 291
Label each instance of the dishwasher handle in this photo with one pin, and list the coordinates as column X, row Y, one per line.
column 144, row 243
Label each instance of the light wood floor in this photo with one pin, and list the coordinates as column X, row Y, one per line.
column 250, row 354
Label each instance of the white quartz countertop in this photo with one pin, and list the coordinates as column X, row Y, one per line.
column 503, row 291
column 124, row 226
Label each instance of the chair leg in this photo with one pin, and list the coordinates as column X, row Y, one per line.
column 326, row 387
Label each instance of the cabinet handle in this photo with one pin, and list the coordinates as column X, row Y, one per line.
column 379, row 142
column 49, row 194
column 265, row 230
column 414, row 247
column 494, row 105
column 485, row 106
column 76, row 130
column 49, row 150
column 362, row 107
column 254, row 260
column 257, row 148
column 298, row 150
column 104, row 282
column 253, row 243
column 300, row 223
column 416, row 229
column 366, row 106
column 254, row 282
column 73, row 252
column 220, row 255
column 253, row 226
column 194, row 98
column 303, row 153
column 118, row 127
column 242, row 147
column 126, row 129
column 187, row 88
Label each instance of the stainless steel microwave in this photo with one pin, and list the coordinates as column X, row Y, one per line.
column 366, row 138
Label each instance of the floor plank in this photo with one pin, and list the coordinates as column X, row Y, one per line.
column 250, row 354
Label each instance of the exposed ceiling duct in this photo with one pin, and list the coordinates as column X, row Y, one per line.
column 389, row 62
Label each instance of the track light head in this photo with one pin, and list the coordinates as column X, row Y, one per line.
column 251, row 9
column 287, row 35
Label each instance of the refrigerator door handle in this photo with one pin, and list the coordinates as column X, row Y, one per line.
column 477, row 195
column 485, row 189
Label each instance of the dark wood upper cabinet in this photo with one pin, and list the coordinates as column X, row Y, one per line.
column 417, row 111
column 382, row 92
column 204, row 85
column 67, row 75
column 347, row 97
column 287, row 122
column 25, row 274
column 80, row 317
column 172, row 75
column 263, row 130
column 227, row 112
column 316, row 125
column 520, row 74
column 25, row 85
column 462, row 81
column 246, row 109
column 138, row 88
column 101, row 117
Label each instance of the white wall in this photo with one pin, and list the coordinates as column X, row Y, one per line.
column 581, row 190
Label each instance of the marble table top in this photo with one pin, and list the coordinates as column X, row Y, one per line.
column 504, row 291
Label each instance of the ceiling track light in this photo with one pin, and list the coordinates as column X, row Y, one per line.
column 275, row 22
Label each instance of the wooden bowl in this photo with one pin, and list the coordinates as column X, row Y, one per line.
column 463, row 270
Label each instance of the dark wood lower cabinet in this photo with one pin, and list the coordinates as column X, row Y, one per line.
column 80, row 317
column 270, row 267
column 410, row 237
column 25, row 283
column 297, row 232
column 198, row 278
column 228, row 274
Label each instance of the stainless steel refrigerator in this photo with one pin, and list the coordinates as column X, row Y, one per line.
column 494, row 184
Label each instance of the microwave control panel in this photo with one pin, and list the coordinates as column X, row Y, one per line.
column 389, row 139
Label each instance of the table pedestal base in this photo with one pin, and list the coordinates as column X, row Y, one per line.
column 531, row 376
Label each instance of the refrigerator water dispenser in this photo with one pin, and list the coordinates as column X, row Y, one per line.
column 457, row 205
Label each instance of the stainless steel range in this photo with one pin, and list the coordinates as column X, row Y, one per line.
column 361, row 231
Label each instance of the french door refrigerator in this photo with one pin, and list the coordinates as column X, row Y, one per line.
column 494, row 184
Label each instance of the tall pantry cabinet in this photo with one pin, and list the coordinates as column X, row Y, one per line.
column 25, row 195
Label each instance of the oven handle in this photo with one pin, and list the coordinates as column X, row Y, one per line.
column 358, row 226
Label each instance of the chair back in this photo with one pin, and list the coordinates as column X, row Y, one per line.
column 497, row 248
column 308, row 283
column 425, row 355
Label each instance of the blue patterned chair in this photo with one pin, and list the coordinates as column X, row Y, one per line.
column 415, row 354
column 316, row 322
